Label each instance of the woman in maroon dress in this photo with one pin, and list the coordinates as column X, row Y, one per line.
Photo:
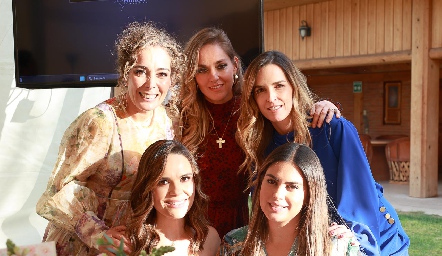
column 210, row 103
column 210, row 100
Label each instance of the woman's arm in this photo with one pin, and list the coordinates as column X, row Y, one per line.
column 68, row 202
column 349, row 180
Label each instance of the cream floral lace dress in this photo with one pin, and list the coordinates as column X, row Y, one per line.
column 232, row 244
column 90, row 185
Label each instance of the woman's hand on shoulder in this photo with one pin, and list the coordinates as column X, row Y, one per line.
column 212, row 243
column 323, row 110
column 342, row 232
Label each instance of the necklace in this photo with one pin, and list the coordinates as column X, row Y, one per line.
column 220, row 140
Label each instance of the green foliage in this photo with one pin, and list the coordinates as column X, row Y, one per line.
column 160, row 251
column 12, row 249
column 424, row 231
column 120, row 252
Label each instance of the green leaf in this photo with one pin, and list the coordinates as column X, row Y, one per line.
column 112, row 250
column 10, row 246
column 100, row 241
column 162, row 250
column 109, row 240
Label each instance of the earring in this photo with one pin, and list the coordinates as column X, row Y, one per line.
column 235, row 78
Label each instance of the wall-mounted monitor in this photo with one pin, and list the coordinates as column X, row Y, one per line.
column 70, row 43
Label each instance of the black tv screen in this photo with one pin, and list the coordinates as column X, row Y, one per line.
column 70, row 43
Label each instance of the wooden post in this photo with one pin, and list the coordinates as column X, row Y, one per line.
column 424, row 105
column 357, row 111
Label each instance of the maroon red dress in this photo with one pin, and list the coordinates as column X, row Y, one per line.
column 228, row 203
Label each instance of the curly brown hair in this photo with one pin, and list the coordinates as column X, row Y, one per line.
column 139, row 35
column 141, row 227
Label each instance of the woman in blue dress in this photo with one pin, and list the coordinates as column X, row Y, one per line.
column 276, row 100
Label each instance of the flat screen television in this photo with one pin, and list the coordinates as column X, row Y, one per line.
column 70, row 43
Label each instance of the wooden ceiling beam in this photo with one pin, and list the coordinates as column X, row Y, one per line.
column 363, row 60
column 436, row 53
column 270, row 5
column 357, row 70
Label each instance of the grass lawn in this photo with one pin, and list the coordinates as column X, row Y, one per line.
column 425, row 232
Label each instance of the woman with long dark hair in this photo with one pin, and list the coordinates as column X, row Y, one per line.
column 290, row 212
column 169, row 208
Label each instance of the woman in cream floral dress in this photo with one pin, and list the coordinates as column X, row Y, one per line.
column 88, row 191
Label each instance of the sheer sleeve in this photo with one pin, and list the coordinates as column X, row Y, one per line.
column 68, row 202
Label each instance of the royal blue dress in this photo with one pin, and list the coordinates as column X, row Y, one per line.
column 358, row 198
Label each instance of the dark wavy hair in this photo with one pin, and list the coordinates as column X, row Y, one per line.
column 313, row 236
column 141, row 227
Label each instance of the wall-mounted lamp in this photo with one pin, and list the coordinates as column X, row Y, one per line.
column 304, row 29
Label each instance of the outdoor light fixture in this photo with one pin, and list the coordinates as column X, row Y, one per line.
column 304, row 29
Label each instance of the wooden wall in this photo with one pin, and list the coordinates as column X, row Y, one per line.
column 437, row 24
column 340, row 28
column 351, row 30
column 339, row 88
column 352, row 34
column 345, row 28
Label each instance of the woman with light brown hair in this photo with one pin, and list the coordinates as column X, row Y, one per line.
column 210, row 106
column 276, row 100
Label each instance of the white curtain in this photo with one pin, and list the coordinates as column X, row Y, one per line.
column 32, row 123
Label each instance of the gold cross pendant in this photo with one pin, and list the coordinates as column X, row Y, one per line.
column 220, row 142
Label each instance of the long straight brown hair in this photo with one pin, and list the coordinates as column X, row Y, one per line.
column 313, row 236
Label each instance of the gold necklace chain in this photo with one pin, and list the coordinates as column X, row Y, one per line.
column 220, row 140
